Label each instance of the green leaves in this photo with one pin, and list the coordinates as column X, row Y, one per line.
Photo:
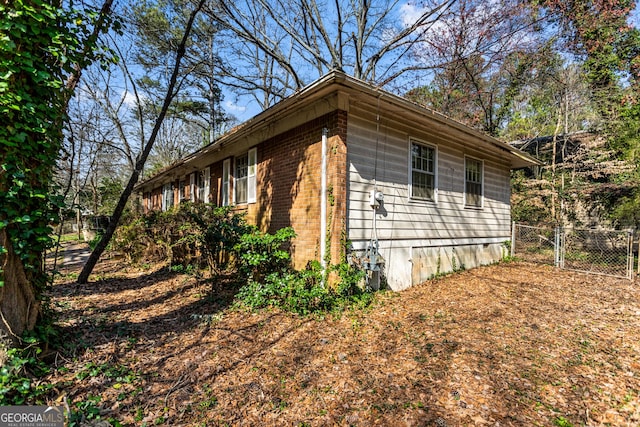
column 40, row 46
column 17, row 385
column 263, row 253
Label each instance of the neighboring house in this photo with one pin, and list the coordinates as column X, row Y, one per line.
column 317, row 160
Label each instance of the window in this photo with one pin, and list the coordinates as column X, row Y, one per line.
column 203, row 185
column 147, row 202
column 244, row 178
column 251, row 175
column 240, row 178
column 167, row 196
column 181, row 191
column 192, row 187
column 206, row 184
column 423, row 172
column 473, row 182
column 226, row 172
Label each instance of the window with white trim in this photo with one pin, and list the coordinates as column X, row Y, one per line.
column 206, row 185
column 473, row 178
column 240, row 178
column 167, row 196
column 226, row 176
column 192, row 189
column 203, row 184
column 251, row 175
column 181, row 191
column 423, row 172
column 244, row 177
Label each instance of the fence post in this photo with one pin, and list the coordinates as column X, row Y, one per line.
column 638, row 256
column 513, row 239
column 557, row 248
column 630, row 263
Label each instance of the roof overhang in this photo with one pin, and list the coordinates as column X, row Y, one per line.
column 335, row 90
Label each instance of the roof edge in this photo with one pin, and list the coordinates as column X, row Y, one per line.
column 336, row 77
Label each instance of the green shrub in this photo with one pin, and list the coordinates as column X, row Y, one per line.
column 220, row 231
column 295, row 291
column 261, row 253
column 193, row 234
column 351, row 279
column 19, row 373
column 131, row 238
column 303, row 292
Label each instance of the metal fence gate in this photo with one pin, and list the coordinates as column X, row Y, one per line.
column 535, row 244
column 606, row 252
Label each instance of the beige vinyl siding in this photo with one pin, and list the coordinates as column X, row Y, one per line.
column 383, row 159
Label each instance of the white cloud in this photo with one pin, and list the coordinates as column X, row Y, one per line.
column 129, row 99
column 234, row 108
column 409, row 13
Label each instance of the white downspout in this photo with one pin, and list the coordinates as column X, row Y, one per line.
column 323, row 203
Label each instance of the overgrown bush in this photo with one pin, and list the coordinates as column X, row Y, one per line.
column 131, row 239
column 272, row 282
column 302, row 292
column 221, row 230
column 193, row 234
column 263, row 253
column 295, row 291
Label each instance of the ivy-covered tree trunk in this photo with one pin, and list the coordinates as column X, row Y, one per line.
column 19, row 306
column 43, row 49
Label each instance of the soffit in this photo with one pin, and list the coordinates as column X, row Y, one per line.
column 334, row 91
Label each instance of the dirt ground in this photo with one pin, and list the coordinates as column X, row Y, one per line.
column 514, row 344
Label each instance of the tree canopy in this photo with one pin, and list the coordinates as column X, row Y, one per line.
column 85, row 102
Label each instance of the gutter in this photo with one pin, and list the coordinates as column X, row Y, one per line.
column 325, row 85
column 323, row 204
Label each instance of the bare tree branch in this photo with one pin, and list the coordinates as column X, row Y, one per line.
column 358, row 36
column 124, row 197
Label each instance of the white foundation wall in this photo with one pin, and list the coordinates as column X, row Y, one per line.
column 411, row 262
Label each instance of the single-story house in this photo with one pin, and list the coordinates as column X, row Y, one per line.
column 405, row 190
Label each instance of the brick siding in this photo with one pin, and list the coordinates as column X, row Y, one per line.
column 288, row 186
column 289, row 168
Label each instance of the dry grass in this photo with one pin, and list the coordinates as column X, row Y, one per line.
column 508, row 345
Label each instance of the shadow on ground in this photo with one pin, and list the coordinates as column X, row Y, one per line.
column 148, row 306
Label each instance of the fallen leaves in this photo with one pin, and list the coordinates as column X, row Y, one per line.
column 511, row 344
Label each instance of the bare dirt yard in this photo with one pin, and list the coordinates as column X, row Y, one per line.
column 514, row 344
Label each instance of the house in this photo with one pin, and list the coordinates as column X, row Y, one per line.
column 410, row 192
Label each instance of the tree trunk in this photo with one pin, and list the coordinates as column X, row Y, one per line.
column 83, row 277
column 19, row 307
column 20, row 293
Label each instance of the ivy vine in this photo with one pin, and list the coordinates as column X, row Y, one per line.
column 41, row 45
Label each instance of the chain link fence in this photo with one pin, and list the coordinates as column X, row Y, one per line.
column 606, row 252
column 535, row 244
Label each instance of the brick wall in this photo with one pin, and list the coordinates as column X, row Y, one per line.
column 176, row 191
column 156, row 199
column 337, row 181
column 288, row 186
